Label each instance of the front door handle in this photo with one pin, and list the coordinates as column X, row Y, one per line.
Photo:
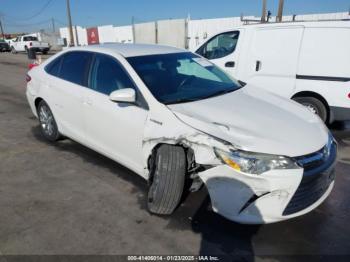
column 230, row 64
column 258, row 66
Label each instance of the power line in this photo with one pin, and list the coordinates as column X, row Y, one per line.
column 39, row 12
column 28, row 24
column 60, row 22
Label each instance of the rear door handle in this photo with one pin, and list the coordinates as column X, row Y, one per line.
column 230, row 64
column 258, row 66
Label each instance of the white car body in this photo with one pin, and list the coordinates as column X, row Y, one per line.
column 248, row 119
column 22, row 43
column 299, row 59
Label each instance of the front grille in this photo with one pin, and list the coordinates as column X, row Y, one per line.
column 318, row 175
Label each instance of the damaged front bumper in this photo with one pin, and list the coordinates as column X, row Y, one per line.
column 274, row 196
column 255, row 200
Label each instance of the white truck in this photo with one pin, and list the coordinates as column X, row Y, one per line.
column 308, row 62
column 24, row 43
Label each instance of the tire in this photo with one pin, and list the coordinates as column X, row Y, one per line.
column 168, row 173
column 45, row 52
column 13, row 50
column 26, row 49
column 48, row 125
column 314, row 105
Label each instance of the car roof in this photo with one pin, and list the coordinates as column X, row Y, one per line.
column 131, row 50
column 322, row 24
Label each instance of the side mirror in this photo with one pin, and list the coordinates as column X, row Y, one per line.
column 126, row 95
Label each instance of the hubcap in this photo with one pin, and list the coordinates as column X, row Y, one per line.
column 312, row 108
column 46, row 120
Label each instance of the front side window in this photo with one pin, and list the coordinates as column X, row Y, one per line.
column 74, row 67
column 181, row 77
column 220, row 45
column 107, row 75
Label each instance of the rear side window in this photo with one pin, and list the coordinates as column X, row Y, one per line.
column 75, row 66
column 220, row 46
column 30, row 38
column 107, row 75
column 54, row 67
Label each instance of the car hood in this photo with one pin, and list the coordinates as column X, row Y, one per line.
column 258, row 121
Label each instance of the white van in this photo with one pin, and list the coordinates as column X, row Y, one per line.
column 308, row 62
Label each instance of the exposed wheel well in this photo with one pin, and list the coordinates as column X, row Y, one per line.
column 37, row 101
column 317, row 96
column 189, row 156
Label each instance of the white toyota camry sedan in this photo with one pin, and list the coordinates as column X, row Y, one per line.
column 176, row 119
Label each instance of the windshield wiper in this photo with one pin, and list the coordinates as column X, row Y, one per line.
column 182, row 100
column 221, row 92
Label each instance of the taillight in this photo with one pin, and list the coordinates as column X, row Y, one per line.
column 28, row 78
column 349, row 95
column 30, row 66
column 30, row 44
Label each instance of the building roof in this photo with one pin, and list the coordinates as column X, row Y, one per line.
column 130, row 50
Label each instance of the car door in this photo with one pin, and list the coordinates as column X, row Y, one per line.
column 67, row 82
column 272, row 59
column 223, row 50
column 16, row 43
column 114, row 129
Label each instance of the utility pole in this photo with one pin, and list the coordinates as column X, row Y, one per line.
column 263, row 15
column 133, row 29
column 53, row 25
column 70, row 26
column 280, row 11
column 2, row 30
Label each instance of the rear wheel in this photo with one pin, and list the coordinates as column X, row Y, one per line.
column 45, row 52
column 13, row 50
column 168, row 179
column 47, row 122
column 315, row 105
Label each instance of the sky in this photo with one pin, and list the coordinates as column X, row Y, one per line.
column 30, row 16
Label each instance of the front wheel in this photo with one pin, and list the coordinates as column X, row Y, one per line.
column 13, row 50
column 168, row 179
column 314, row 105
column 47, row 122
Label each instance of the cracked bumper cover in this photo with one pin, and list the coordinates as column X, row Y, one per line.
column 252, row 199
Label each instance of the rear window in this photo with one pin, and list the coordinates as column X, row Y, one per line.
column 74, row 67
column 54, row 67
column 30, row 38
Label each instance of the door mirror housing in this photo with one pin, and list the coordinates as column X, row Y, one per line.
column 125, row 95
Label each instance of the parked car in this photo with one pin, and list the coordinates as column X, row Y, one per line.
column 176, row 119
column 23, row 43
column 4, row 47
column 308, row 62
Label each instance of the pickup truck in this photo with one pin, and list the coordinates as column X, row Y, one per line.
column 4, row 46
column 23, row 43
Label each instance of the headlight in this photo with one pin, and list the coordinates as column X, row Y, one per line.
column 255, row 163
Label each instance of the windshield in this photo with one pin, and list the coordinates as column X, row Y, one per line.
column 181, row 77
